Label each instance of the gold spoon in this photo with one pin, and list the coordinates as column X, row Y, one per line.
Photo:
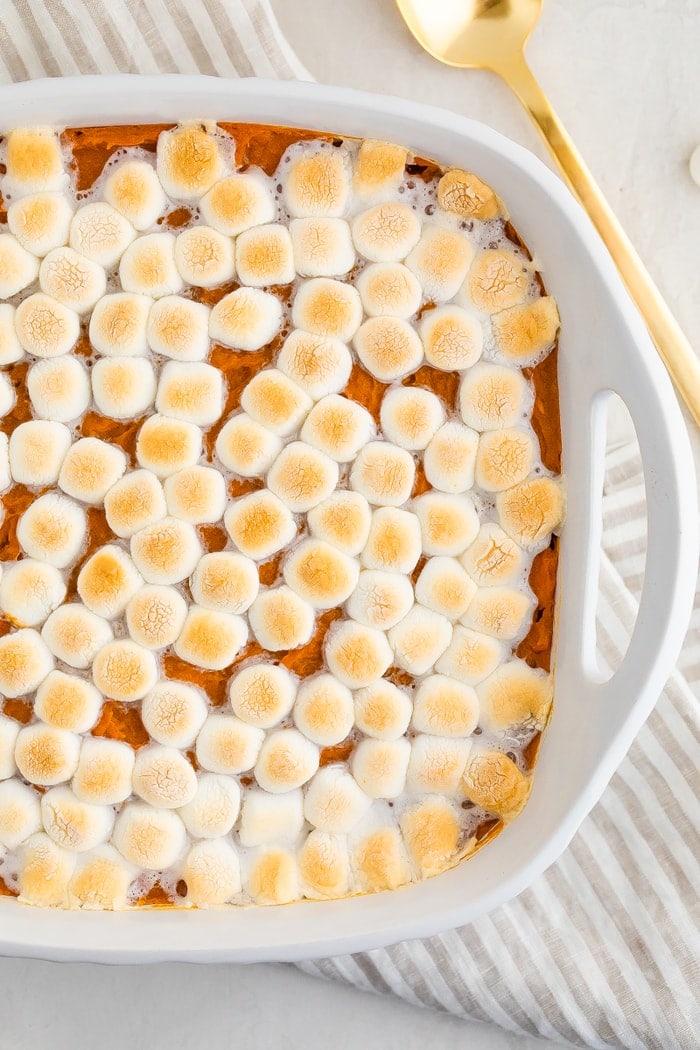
column 491, row 34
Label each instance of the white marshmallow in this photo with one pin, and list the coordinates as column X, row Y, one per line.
column 133, row 188
column 147, row 267
column 326, row 307
column 124, row 671
column 52, row 529
column 386, row 232
column 420, row 639
column 204, row 257
column 90, row 468
column 286, row 761
column 338, row 427
column 188, row 161
column 280, row 619
column 448, row 522
column 320, row 365
column 436, row 764
column 388, row 347
column 155, row 615
column 20, row 813
column 389, row 288
column 40, row 221
column 75, row 635
column 445, row 587
column 320, row 573
column 264, row 256
column 214, row 808
column 68, row 702
column 225, row 581
column 45, row 872
column 197, row 495
column 275, row 401
column 101, row 880
column 322, row 247
column 323, row 710
column 46, row 755
column 452, row 338
column 267, row 818
column 163, row 777
column 173, row 713
column 379, row 766
column 317, row 182
column 10, row 348
column 470, row 656
column 301, row 477
column 273, row 877
column 137, row 500
column 246, row 319
column 504, row 458
column 227, row 745
column 334, row 802
column 178, row 328
column 259, row 524
column 59, row 389
column 123, row 388
column 118, row 324
column 382, row 710
column 103, row 773
column 245, row 447
column 262, row 694
column 499, row 611
column 394, row 541
column 72, row 824
column 445, row 707
column 343, row 520
column 149, row 838
column 238, row 202
column 491, row 396
column 25, row 661
column 450, row 458
column 379, row 169
column 8, row 738
column 211, row 639
column 498, row 279
column 100, row 233
column 5, row 479
column 71, row 279
column 440, row 261
column 34, row 162
column 383, row 473
column 410, row 416
column 37, row 450
column 45, row 327
column 212, row 873
column 166, row 445
column 493, row 558
column 324, row 866
column 380, row 599
column 18, row 267
column 355, row 654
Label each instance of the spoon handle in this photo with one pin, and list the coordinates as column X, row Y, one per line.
column 676, row 352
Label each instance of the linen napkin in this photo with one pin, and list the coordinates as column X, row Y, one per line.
column 601, row 950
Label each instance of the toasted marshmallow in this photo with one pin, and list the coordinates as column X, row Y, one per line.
column 301, row 477
column 135, row 191
column 380, row 599
column 380, row 861
column 324, row 866
column 149, row 838
column 493, row 558
column 40, row 221
column 178, row 328
column 334, row 802
column 259, row 524
column 18, row 267
column 11, row 349
column 491, row 396
column 20, row 813
column 355, row 654
column 389, row 288
column 73, row 824
column 212, row 873
column 275, row 401
column 436, row 764
column 101, row 880
column 7, row 395
column 123, row 388
column 167, row 551
column 470, row 656
column 211, row 639
column 445, row 587
column 504, row 458
column 317, row 182
column 227, row 745
column 387, row 232
column 379, row 766
column 197, row 494
column 320, row 573
column 451, row 457
column 440, row 261
column 497, row 280
column 166, row 445
column 147, row 267
column 118, row 324
column 394, row 541
column 462, row 193
column 52, row 529
column 163, row 777
column 448, row 522
column 8, row 738
column 452, row 338
column 420, row 639
column 188, row 161
column 5, row 479
column 445, row 707
column 494, row 782
column 67, row 702
column 45, row 872
column 214, row 808
column 34, row 161
column 530, row 511
column 379, row 169
column 59, row 389
column 273, row 877
column 382, row 710
column 322, row 247
column 410, row 416
column 383, row 474
column 137, row 500
column 45, row 327
column 90, row 468
column 245, row 447
column 264, row 256
column 323, row 710
column 25, row 661
column 124, row 670
column 271, row 818
column 75, row 635
column 107, row 581
column 46, row 755
column 103, row 773
column 262, row 694
column 37, row 450
column 173, row 713
column 512, row 695
column 338, row 427
column 155, row 616
column 498, row 611
column 236, row 203
column 388, row 348
column 286, row 761
column 280, row 619
column 431, row 831
column 204, row 257
column 343, row 520
column 524, row 333
column 71, row 279
column 326, row 307
column 319, row 365
column 245, row 319
column 225, row 581
column 100, row 233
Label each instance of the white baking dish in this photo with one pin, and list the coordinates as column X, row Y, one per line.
column 604, row 346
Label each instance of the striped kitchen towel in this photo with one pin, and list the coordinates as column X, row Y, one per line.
column 602, row 950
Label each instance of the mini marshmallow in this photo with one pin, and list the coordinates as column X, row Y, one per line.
column 100, row 233
column 286, row 761
column 317, row 182
column 444, row 706
column 322, row 247
column 225, row 581
column 280, row 619
column 379, row 766
column 45, row 871
column 10, row 348
column 137, row 500
column 462, row 193
column 320, row 365
column 45, row 327
column 124, row 670
column 212, row 873
column 34, row 161
column 204, row 257
column 71, row 279
column 7, row 395
column 326, row 307
column 37, row 450
column 25, row 661
column 196, row 494
column 445, row 587
column 75, row 635
column 338, row 427
column 147, row 267
column 440, row 261
column 343, row 520
column 380, row 861
column 188, row 161
column 494, row 782
column 504, row 459
column 394, row 541
column 470, row 656
column 379, row 169
column 259, row 524
column 163, row 777
column 355, row 654
column 264, row 256
column 301, row 477
column 389, row 288
column 524, row 333
column 388, row 347
column 227, row 745
column 103, row 772
column 383, row 473
column 380, row 599
column 52, row 529
column 514, row 694
column 73, row 824
column 493, row 558
column 387, row 232
column 273, row 877
column 245, row 447
column 173, row 713
column 498, row 279
column 18, row 267
column 155, row 616
column 46, row 755
column 410, row 416
column 530, row 511
column 432, row 832
column 420, row 639
column 101, row 880
column 107, row 581
column 166, row 445
column 382, row 710
column 324, row 866
column 118, row 324
column 149, row 838
column 5, row 480
column 452, row 338
column 58, row 389
column 334, row 802
column 246, row 319
column 178, row 328
column 450, row 458
column 269, row 818
column 8, row 738
column 68, row 702
column 275, row 401
column 498, row 611
column 448, row 522
column 491, row 396
column 211, row 639
column 238, row 202
column 436, row 764
column 320, row 573
column 134, row 190
column 123, row 388
column 20, row 813
column 214, row 808
column 40, row 221
column 262, row 694
column 90, row 468
column 323, row 710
